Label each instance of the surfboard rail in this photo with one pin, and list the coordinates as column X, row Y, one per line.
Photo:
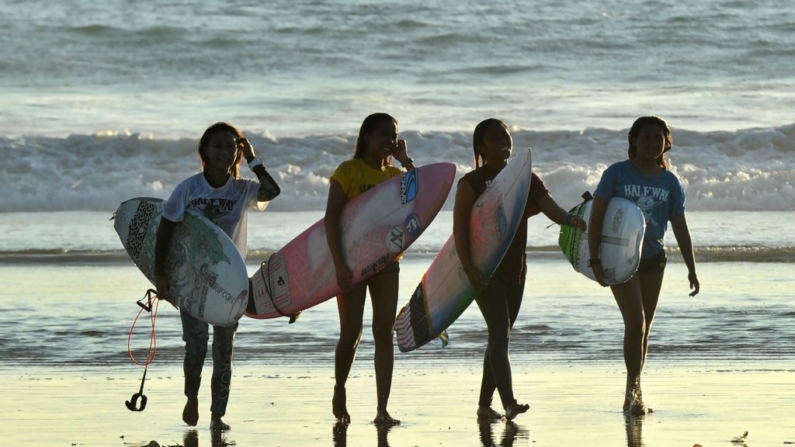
column 445, row 292
column 621, row 242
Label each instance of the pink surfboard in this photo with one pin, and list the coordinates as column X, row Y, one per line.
column 377, row 227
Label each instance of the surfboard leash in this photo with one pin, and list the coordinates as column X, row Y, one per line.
column 269, row 290
column 148, row 303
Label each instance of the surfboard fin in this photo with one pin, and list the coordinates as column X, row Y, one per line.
column 444, row 339
column 294, row 317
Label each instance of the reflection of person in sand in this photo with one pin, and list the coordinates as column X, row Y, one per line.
column 217, row 439
column 376, row 145
column 221, row 150
column 509, row 434
column 499, row 297
column 634, row 426
column 340, row 434
column 645, row 180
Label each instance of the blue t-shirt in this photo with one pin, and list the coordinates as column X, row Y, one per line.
column 660, row 197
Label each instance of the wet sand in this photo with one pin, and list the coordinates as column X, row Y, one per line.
column 571, row 404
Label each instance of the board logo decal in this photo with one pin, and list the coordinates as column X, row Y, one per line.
column 413, row 225
column 396, row 239
column 408, row 186
column 500, row 222
column 618, row 220
column 377, row 265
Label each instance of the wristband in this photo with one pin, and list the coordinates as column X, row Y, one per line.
column 409, row 161
column 254, row 163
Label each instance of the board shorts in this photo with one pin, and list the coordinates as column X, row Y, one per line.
column 653, row 265
column 392, row 267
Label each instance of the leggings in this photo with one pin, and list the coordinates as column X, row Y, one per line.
column 195, row 333
column 499, row 304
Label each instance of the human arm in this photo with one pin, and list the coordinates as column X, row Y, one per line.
column 268, row 189
column 164, row 232
column 598, row 208
column 556, row 214
column 682, row 235
column 401, row 155
column 462, row 212
column 334, row 205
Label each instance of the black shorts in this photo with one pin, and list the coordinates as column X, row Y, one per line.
column 392, row 267
column 653, row 265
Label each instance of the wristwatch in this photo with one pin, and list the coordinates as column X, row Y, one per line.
column 593, row 261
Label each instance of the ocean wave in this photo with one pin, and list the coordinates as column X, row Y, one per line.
column 750, row 169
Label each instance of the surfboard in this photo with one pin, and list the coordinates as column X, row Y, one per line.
column 206, row 273
column 377, row 227
column 445, row 291
column 622, row 240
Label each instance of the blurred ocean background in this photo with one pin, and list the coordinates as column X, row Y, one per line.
column 104, row 101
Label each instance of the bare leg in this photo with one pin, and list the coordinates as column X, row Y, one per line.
column 351, row 310
column 629, row 300
column 384, row 297
column 637, row 299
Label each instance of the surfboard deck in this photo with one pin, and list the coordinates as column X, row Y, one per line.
column 377, row 227
column 445, row 291
column 206, row 273
column 622, row 240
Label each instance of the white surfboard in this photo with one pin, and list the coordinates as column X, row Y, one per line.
column 622, row 240
column 445, row 291
column 206, row 273
column 377, row 227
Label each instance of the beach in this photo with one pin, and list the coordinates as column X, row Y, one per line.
column 71, row 374
column 571, row 404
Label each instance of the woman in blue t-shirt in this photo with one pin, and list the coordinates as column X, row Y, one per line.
column 645, row 180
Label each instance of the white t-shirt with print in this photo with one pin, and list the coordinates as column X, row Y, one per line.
column 225, row 206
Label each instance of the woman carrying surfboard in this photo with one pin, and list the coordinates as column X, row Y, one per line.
column 220, row 195
column 644, row 179
column 376, row 145
column 499, row 297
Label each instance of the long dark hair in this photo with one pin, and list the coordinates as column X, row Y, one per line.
column 368, row 126
column 479, row 134
column 638, row 125
column 205, row 140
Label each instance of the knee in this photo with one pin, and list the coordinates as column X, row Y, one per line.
column 382, row 335
column 635, row 329
column 349, row 339
column 196, row 349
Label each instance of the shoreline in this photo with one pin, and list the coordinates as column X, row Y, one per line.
column 291, row 406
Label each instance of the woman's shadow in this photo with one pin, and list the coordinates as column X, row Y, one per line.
column 510, row 433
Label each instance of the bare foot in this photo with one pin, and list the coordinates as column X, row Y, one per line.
column 383, row 418
column 190, row 414
column 488, row 414
column 339, row 406
column 216, row 424
column 515, row 410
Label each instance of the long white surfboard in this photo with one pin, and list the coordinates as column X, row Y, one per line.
column 206, row 273
column 376, row 226
column 445, row 291
column 622, row 240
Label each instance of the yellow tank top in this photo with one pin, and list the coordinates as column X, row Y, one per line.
column 355, row 176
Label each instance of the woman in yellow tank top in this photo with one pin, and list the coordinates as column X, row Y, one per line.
column 376, row 146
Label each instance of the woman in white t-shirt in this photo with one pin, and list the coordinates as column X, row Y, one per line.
column 220, row 195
